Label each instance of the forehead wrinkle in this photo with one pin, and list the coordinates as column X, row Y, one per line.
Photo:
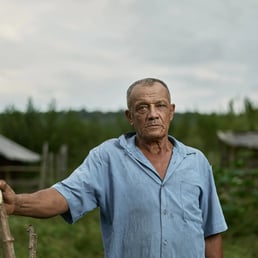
column 154, row 96
column 147, row 82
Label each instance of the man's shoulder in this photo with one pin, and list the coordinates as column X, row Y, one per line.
column 110, row 144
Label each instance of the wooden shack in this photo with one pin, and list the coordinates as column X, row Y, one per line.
column 18, row 164
column 239, row 149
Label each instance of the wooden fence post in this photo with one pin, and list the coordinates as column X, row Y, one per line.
column 43, row 170
column 32, row 242
column 7, row 239
column 62, row 162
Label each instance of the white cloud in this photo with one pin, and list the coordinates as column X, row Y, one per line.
column 86, row 53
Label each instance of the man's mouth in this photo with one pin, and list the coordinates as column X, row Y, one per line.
column 153, row 125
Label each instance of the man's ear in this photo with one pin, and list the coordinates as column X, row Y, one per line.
column 128, row 115
column 172, row 111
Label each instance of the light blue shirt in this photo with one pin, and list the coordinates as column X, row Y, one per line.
column 141, row 215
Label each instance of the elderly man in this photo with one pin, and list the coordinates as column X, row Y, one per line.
column 157, row 196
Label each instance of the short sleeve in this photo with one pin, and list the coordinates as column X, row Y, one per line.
column 80, row 188
column 213, row 218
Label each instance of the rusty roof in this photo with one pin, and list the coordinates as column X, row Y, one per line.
column 239, row 139
column 16, row 152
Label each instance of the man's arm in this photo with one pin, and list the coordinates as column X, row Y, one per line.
column 45, row 203
column 213, row 246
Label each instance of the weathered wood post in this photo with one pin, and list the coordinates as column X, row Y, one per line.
column 7, row 239
column 44, row 167
column 32, row 242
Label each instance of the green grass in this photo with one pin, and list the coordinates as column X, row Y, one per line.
column 240, row 246
column 56, row 238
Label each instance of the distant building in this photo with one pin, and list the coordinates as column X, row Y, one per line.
column 15, row 160
column 11, row 152
column 239, row 148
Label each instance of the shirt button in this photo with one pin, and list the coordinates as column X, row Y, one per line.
column 165, row 242
column 165, row 212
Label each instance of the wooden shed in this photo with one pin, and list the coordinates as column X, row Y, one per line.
column 18, row 164
column 239, row 148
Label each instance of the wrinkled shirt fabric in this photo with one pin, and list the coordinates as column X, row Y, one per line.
column 141, row 215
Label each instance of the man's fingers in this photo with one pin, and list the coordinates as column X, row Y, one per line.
column 3, row 185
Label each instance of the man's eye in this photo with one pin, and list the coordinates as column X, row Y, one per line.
column 142, row 108
column 161, row 105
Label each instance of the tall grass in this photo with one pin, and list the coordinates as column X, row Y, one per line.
column 56, row 238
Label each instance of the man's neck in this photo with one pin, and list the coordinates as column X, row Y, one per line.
column 158, row 146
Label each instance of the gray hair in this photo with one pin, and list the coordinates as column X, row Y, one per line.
column 145, row 82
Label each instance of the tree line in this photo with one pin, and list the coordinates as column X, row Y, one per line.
column 81, row 130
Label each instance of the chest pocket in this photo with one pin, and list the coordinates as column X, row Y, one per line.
column 190, row 195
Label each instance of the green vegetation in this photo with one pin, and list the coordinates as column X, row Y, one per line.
column 238, row 192
column 82, row 130
column 55, row 238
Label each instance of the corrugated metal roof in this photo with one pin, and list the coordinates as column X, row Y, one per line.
column 16, row 152
column 239, row 139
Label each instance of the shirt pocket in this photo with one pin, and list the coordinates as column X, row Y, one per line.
column 190, row 195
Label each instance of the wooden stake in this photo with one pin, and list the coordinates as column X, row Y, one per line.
column 7, row 239
column 32, row 242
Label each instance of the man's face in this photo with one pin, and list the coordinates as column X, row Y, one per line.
column 150, row 111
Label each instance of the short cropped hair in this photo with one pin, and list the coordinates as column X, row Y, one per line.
column 145, row 82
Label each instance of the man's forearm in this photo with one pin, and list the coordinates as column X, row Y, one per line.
column 213, row 246
column 42, row 204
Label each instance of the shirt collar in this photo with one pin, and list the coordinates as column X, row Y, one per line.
column 127, row 141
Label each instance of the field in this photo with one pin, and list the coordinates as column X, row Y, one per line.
column 56, row 238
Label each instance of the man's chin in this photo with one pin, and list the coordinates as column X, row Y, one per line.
column 153, row 135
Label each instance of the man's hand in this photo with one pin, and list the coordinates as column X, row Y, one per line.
column 9, row 197
column 45, row 203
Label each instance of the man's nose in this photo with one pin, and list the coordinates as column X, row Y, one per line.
column 153, row 112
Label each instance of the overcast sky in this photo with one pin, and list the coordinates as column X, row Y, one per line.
column 84, row 54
